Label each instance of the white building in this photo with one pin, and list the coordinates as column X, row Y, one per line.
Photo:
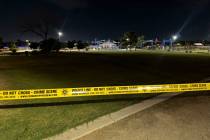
column 109, row 45
column 103, row 44
column 198, row 44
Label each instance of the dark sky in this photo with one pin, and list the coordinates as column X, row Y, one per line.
column 108, row 19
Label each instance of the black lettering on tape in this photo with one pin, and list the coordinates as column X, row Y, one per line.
column 95, row 89
column 39, row 91
column 202, row 85
column 111, row 88
column 5, row 93
column 183, row 86
column 87, row 89
column 51, row 91
column 77, row 90
column 123, row 88
column 24, row 92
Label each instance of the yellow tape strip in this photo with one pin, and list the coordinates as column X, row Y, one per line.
column 94, row 91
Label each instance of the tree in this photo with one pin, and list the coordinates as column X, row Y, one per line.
column 34, row 45
column 81, row 45
column 49, row 45
column 12, row 47
column 71, row 44
column 19, row 42
column 1, row 42
column 40, row 29
column 129, row 40
column 42, row 24
column 140, row 41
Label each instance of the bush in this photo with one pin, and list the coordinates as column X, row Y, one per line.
column 14, row 51
column 34, row 45
column 12, row 47
column 47, row 46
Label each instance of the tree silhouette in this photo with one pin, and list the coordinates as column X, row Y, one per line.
column 140, row 41
column 129, row 40
column 41, row 24
column 47, row 46
column 1, row 42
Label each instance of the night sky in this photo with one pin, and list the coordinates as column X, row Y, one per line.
column 108, row 19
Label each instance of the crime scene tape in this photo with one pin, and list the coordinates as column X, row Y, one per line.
column 96, row 91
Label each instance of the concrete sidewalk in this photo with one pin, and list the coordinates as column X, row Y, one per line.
column 87, row 128
column 185, row 117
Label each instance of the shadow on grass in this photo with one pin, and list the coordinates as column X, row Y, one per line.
column 89, row 101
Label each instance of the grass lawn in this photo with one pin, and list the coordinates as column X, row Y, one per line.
column 37, row 119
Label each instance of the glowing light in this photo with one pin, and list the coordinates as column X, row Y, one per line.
column 175, row 37
column 60, row 34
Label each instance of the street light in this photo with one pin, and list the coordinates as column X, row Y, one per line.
column 128, row 41
column 60, row 34
column 174, row 37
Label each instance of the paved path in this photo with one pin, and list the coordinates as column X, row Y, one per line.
column 180, row 118
column 101, row 122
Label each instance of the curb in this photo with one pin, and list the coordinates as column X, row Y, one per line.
column 101, row 122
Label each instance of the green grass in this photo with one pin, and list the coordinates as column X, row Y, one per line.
column 37, row 119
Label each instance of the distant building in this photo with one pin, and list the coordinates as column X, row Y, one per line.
column 105, row 45
column 109, row 45
column 198, row 44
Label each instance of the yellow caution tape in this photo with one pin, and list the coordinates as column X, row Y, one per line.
column 95, row 91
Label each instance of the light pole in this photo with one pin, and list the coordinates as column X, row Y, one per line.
column 60, row 34
column 174, row 38
column 128, row 42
